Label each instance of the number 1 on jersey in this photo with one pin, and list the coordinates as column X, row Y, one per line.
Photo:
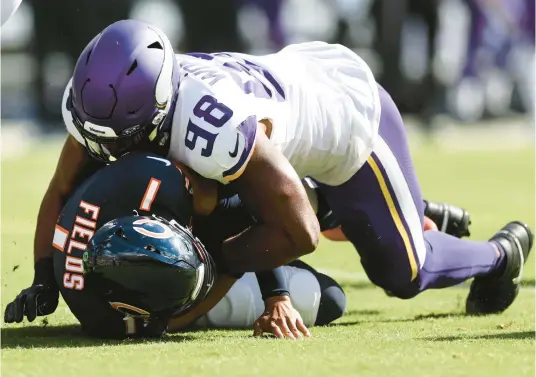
column 150, row 194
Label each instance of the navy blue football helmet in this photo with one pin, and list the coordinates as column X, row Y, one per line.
column 148, row 267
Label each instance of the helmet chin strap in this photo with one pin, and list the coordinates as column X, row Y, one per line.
column 161, row 133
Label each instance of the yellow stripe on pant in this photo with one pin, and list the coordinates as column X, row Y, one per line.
column 395, row 215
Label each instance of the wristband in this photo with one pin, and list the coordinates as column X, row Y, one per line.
column 44, row 273
column 272, row 283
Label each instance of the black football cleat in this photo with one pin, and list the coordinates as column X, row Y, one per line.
column 496, row 292
column 448, row 218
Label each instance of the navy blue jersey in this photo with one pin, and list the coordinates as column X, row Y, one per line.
column 144, row 183
column 147, row 184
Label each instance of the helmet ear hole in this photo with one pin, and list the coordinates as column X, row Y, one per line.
column 152, row 249
column 132, row 67
column 88, row 56
column 120, row 233
column 157, row 45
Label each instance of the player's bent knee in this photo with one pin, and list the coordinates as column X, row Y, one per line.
column 404, row 292
column 397, row 283
column 332, row 301
column 393, row 272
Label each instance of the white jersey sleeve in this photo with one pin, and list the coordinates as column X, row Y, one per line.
column 214, row 127
column 67, row 117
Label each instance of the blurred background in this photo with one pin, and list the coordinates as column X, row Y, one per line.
column 468, row 63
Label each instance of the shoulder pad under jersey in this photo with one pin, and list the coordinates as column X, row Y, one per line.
column 214, row 127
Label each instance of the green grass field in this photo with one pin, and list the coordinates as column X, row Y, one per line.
column 378, row 336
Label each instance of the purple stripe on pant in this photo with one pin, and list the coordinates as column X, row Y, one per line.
column 379, row 219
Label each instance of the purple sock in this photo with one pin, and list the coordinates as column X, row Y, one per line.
column 450, row 260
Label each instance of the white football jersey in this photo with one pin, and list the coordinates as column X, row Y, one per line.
column 321, row 99
column 8, row 8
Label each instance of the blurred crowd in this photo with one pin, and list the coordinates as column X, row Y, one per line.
column 467, row 59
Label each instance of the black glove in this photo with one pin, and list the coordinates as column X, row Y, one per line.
column 31, row 302
column 40, row 299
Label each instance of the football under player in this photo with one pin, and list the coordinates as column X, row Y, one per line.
column 259, row 124
column 136, row 275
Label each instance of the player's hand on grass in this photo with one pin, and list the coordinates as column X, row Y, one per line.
column 41, row 298
column 37, row 300
column 280, row 319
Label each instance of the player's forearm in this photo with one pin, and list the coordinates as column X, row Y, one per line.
column 46, row 220
column 287, row 226
column 259, row 248
column 71, row 163
column 220, row 289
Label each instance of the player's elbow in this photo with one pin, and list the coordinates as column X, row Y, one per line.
column 305, row 235
column 301, row 225
column 311, row 236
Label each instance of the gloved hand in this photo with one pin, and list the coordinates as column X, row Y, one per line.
column 40, row 299
column 37, row 300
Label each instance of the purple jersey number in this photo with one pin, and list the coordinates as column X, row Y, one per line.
column 260, row 82
column 205, row 110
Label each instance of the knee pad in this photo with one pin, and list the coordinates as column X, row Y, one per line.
column 332, row 302
column 305, row 293
column 243, row 304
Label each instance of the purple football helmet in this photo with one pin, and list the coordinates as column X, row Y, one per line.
column 124, row 86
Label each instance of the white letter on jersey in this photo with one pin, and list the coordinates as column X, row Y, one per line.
column 90, row 208
column 73, row 281
column 74, row 264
